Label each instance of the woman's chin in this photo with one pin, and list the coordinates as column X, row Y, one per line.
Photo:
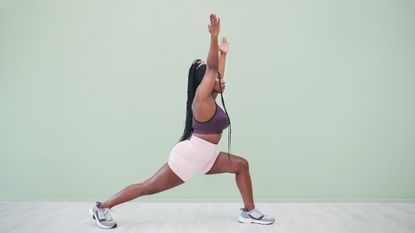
column 218, row 92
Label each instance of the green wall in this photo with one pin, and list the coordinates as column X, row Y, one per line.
column 320, row 94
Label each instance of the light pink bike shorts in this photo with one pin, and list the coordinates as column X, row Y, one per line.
column 192, row 156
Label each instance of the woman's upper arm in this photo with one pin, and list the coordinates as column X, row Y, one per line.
column 204, row 90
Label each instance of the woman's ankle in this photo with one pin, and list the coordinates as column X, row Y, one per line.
column 103, row 206
column 249, row 208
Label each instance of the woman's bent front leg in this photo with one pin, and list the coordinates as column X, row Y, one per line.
column 239, row 166
column 162, row 180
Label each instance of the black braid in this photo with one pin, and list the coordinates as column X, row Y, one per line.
column 193, row 80
column 229, row 119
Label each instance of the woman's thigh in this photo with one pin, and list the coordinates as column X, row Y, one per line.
column 228, row 164
column 162, row 180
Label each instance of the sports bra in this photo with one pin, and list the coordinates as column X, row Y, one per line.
column 214, row 125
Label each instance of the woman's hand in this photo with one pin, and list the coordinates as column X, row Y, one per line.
column 214, row 25
column 224, row 46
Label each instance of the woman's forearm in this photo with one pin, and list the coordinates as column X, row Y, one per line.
column 222, row 61
column 212, row 60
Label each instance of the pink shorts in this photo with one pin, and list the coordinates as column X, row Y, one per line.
column 192, row 156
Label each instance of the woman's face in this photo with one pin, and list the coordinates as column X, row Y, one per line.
column 219, row 83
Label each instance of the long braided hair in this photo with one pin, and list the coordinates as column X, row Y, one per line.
column 196, row 73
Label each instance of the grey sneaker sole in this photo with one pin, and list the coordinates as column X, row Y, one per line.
column 250, row 220
column 95, row 217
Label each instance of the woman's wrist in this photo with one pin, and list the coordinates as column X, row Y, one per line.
column 213, row 36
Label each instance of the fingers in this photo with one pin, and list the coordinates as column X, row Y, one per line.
column 214, row 24
column 214, row 20
column 225, row 41
column 213, row 17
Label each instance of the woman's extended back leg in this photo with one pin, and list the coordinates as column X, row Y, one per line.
column 162, row 180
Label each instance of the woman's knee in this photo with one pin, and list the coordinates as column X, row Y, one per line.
column 159, row 184
column 149, row 188
column 242, row 164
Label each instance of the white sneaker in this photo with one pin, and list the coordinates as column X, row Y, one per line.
column 102, row 216
column 254, row 216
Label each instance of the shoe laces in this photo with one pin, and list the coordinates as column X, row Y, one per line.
column 107, row 214
column 253, row 210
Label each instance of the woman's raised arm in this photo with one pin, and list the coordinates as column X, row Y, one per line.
column 223, row 51
column 214, row 29
column 204, row 91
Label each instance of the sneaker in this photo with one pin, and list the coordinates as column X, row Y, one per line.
column 102, row 216
column 254, row 216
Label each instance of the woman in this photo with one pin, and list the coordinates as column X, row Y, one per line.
column 197, row 150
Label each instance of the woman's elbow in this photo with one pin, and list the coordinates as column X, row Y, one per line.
column 212, row 67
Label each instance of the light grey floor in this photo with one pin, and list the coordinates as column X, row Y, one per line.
column 71, row 217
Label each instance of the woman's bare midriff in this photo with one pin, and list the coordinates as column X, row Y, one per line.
column 213, row 138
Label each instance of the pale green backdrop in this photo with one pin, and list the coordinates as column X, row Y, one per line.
column 320, row 94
